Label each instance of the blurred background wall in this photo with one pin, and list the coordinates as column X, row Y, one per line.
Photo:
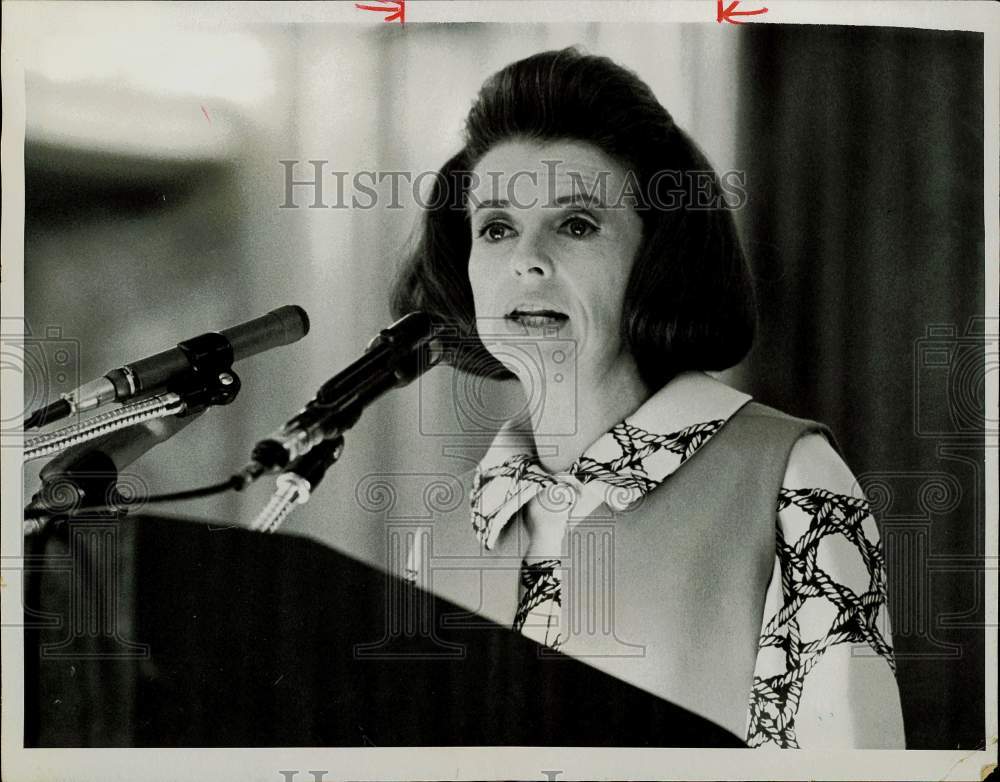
column 154, row 212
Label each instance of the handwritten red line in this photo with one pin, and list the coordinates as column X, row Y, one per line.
column 206, row 115
column 728, row 13
column 396, row 11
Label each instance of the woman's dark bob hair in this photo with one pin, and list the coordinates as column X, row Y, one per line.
column 690, row 302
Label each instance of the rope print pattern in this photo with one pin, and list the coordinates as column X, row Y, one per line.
column 518, row 471
column 540, row 581
column 628, row 470
column 523, row 475
column 541, row 585
column 774, row 700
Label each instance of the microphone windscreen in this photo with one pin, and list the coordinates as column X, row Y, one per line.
column 282, row 326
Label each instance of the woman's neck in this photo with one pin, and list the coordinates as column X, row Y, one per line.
column 575, row 412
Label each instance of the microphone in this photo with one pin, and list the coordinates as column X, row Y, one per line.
column 297, row 483
column 394, row 357
column 282, row 326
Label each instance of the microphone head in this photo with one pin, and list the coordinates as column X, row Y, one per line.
column 405, row 334
column 282, row 326
column 303, row 316
column 412, row 329
column 292, row 320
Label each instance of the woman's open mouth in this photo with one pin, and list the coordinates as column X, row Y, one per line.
column 537, row 317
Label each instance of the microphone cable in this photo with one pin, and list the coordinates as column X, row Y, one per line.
column 37, row 510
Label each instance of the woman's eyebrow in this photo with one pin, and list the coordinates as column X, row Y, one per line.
column 494, row 203
column 571, row 199
column 579, row 199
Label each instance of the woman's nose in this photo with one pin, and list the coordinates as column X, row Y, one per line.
column 530, row 257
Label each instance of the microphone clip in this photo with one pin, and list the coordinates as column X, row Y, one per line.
column 211, row 379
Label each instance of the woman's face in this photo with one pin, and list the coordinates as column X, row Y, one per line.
column 551, row 256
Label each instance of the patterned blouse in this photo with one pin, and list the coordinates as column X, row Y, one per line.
column 827, row 591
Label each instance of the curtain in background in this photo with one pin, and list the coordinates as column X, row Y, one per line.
column 863, row 149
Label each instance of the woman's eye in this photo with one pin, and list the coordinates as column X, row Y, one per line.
column 494, row 232
column 578, row 227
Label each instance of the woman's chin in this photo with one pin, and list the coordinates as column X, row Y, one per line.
column 546, row 383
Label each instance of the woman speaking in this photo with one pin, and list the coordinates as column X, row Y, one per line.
column 665, row 527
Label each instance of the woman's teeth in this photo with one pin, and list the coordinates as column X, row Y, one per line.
column 540, row 318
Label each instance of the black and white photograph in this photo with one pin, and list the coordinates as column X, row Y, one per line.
column 402, row 389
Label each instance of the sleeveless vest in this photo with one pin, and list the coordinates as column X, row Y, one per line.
column 667, row 594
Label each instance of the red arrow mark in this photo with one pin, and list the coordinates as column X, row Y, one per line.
column 728, row 13
column 396, row 9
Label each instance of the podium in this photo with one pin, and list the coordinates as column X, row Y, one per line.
column 160, row 632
